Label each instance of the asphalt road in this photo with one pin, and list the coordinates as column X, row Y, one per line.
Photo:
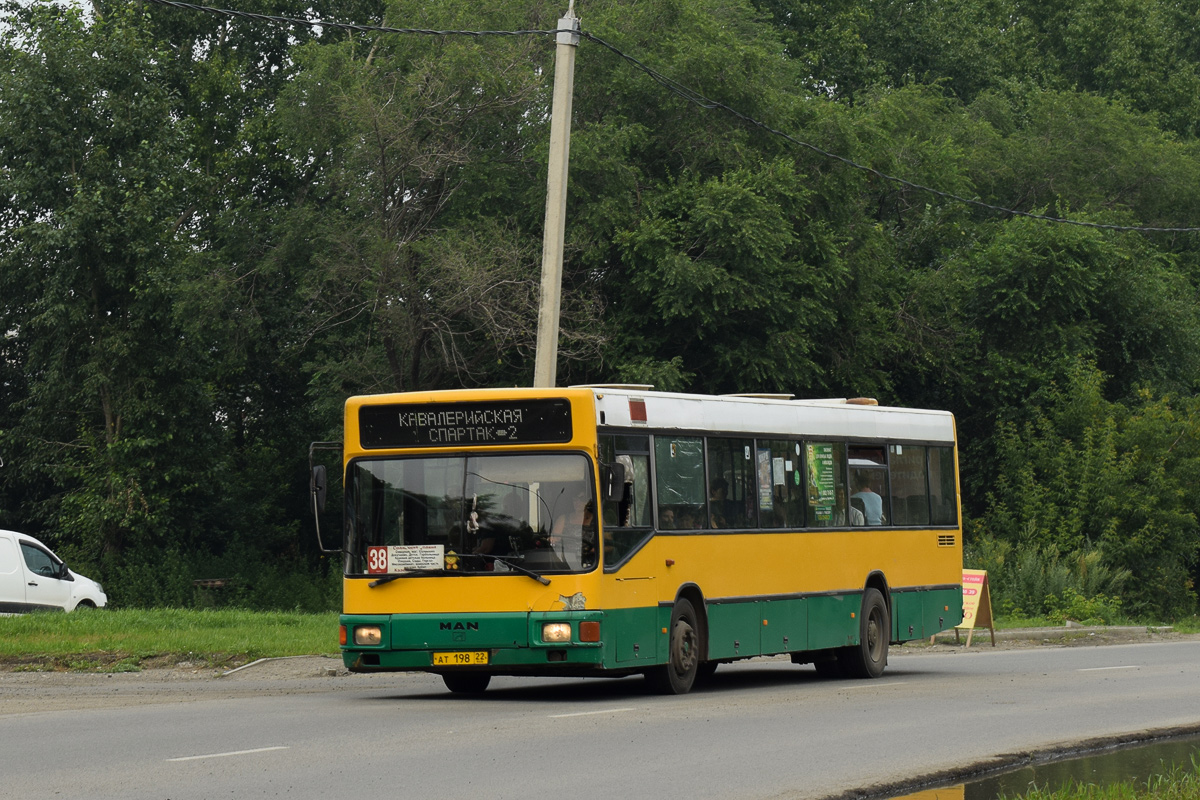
column 761, row 729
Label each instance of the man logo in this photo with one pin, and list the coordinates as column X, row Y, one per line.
column 458, row 626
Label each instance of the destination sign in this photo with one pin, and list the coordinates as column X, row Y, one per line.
column 465, row 424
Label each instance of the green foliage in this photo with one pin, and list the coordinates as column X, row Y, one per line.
column 1031, row 579
column 1098, row 610
column 1089, row 476
column 214, row 230
column 708, row 258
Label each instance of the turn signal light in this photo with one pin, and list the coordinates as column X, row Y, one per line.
column 341, row 634
column 589, row 631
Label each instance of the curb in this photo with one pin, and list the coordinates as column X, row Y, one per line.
column 1065, row 632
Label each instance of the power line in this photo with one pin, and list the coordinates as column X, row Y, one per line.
column 348, row 26
column 687, row 93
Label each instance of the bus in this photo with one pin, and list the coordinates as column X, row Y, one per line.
column 615, row 530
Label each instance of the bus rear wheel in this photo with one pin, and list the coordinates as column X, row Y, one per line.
column 869, row 657
column 467, row 682
column 683, row 653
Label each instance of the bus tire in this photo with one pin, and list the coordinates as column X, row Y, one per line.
column 683, row 653
column 466, row 682
column 869, row 657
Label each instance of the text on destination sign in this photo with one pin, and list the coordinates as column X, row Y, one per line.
column 472, row 423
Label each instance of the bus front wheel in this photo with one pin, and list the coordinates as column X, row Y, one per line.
column 869, row 657
column 683, row 653
column 466, row 682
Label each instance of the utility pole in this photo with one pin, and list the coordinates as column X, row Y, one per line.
column 546, row 360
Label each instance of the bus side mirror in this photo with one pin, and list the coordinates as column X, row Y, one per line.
column 319, row 486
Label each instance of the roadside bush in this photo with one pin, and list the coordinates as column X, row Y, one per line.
column 1098, row 610
column 1098, row 497
column 240, row 578
column 1028, row 580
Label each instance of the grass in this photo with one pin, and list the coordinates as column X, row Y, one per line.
column 125, row 640
column 1010, row 621
column 1178, row 784
column 129, row 639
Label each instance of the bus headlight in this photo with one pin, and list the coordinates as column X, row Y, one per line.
column 556, row 631
column 368, row 634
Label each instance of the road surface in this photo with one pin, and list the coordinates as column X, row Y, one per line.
column 760, row 729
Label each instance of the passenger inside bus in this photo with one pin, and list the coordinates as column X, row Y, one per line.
column 839, row 513
column 573, row 534
column 718, row 503
column 872, row 502
column 500, row 531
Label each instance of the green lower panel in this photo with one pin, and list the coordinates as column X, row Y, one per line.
column 920, row 614
column 908, row 616
column 500, row 659
column 765, row 627
column 634, row 638
column 830, row 623
column 635, row 634
column 511, row 640
column 733, row 630
column 784, row 625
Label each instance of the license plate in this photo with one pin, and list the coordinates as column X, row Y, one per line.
column 463, row 658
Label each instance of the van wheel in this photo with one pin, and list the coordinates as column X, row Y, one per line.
column 467, row 682
column 869, row 657
column 683, row 653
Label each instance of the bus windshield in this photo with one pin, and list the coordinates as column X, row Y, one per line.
column 488, row 513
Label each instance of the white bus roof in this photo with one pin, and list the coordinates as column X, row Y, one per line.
column 618, row 407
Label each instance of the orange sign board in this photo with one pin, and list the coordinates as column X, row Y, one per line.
column 977, row 604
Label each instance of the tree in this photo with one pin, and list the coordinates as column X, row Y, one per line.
column 93, row 164
column 417, row 281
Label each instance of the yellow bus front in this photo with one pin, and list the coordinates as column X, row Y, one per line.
column 471, row 534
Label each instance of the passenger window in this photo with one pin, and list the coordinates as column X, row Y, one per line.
column 910, row 497
column 633, row 453
column 869, row 483
column 679, row 466
column 731, row 483
column 786, row 485
column 825, row 479
column 39, row 561
column 626, row 525
column 943, row 498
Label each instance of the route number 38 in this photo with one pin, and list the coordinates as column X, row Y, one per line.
column 377, row 559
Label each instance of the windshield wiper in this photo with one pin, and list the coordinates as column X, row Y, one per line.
column 420, row 573
column 412, row 573
column 515, row 567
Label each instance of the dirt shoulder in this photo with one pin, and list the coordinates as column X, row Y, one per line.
column 37, row 686
column 25, row 690
column 1070, row 636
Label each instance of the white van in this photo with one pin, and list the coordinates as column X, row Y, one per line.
column 32, row 578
